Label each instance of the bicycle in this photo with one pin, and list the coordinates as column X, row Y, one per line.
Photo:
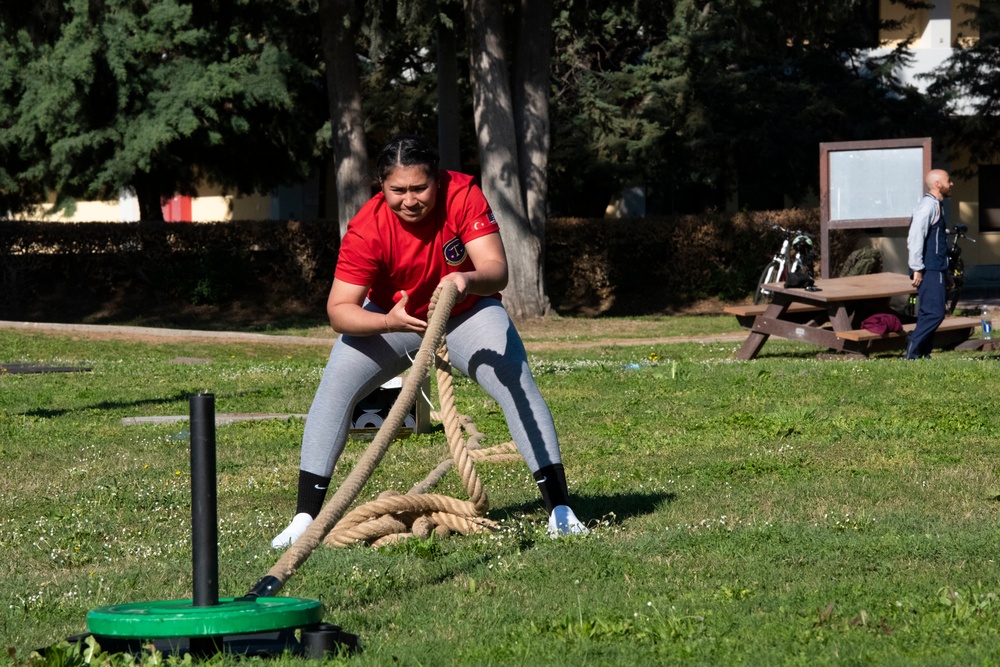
column 797, row 254
column 956, row 265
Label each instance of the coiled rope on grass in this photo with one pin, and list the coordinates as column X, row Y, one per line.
column 395, row 516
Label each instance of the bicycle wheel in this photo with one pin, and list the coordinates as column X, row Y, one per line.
column 768, row 275
column 955, row 291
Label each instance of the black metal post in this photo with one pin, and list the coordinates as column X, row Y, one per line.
column 204, row 513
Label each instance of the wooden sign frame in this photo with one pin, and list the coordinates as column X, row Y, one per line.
column 892, row 219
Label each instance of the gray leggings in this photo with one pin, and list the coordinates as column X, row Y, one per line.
column 482, row 343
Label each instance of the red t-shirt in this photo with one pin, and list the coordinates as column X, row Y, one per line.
column 387, row 255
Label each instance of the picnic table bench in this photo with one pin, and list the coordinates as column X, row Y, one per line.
column 745, row 314
column 830, row 317
column 962, row 324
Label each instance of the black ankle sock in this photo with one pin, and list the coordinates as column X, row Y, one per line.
column 551, row 482
column 312, row 492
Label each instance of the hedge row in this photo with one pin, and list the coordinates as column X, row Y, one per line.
column 160, row 273
column 655, row 265
column 270, row 271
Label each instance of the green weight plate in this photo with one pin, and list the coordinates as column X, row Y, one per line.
column 180, row 618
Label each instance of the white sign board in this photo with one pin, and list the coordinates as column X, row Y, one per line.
column 875, row 184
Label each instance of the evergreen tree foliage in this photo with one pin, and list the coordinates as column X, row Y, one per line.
column 400, row 75
column 706, row 102
column 154, row 96
column 399, row 69
column 703, row 103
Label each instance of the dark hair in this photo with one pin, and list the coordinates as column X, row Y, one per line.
column 406, row 150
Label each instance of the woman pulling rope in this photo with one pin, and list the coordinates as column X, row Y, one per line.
column 426, row 227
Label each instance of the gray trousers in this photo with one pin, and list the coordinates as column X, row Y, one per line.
column 482, row 343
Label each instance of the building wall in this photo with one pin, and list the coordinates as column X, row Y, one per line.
column 210, row 205
column 308, row 200
column 942, row 26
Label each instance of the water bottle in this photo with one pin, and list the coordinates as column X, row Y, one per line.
column 987, row 323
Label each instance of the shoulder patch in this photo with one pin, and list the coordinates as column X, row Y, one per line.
column 454, row 252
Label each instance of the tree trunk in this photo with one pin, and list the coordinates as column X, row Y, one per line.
column 339, row 24
column 449, row 113
column 148, row 195
column 532, row 65
column 497, row 138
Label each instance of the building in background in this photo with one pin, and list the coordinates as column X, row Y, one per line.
column 301, row 201
column 939, row 31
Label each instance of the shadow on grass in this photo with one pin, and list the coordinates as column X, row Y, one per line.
column 614, row 509
column 182, row 398
column 49, row 413
column 619, row 507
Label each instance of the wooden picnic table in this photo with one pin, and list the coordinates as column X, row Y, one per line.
column 831, row 317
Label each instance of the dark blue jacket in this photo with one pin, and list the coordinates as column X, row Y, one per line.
column 927, row 242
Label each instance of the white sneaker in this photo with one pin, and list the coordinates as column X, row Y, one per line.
column 294, row 531
column 563, row 521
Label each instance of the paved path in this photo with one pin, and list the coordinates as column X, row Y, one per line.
column 153, row 334
column 121, row 331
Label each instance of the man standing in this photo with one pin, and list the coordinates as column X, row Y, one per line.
column 927, row 247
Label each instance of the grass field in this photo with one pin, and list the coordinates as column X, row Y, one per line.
column 783, row 511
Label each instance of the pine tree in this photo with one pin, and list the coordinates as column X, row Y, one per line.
column 708, row 103
column 154, row 97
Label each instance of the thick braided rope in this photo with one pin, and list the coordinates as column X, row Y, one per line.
column 382, row 517
column 402, row 504
column 495, row 454
column 456, row 443
column 366, row 524
column 437, row 523
column 442, row 302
